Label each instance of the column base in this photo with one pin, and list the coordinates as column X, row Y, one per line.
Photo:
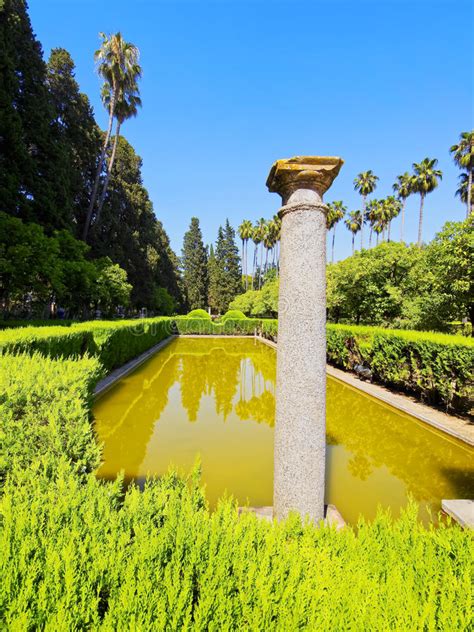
column 332, row 517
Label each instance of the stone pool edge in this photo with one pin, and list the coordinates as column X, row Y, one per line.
column 434, row 418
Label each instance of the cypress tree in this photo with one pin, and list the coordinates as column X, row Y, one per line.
column 194, row 265
column 213, row 276
column 33, row 169
column 228, row 272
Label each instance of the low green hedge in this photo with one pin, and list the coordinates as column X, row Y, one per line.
column 233, row 314
column 437, row 368
column 121, row 341
column 199, row 313
column 51, row 341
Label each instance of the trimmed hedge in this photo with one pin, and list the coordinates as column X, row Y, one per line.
column 54, row 342
column 121, row 341
column 199, row 313
column 437, row 368
column 233, row 314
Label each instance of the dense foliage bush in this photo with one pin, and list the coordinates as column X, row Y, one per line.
column 85, row 555
column 199, row 313
column 233, row 314
column 438, row 368
column 51, row 341
column 44, row 411
column 120, row 341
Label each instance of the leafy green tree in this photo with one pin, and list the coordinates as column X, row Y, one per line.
column 194, row 265
column 365, row 184
column 441, row 285
column 463, row 154
column 112, row 289
column 118, row 66
column 75, row 288
column 336, row 212
column 30, row 264
column 164, row 304
column 403, row 189
column 424, row 181
column 354, row 224
column 131, row 236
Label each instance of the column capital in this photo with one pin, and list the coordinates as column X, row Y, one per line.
column 303, row 179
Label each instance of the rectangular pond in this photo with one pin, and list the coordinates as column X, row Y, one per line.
column 215, row 397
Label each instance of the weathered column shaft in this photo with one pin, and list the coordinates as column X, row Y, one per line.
column 300, row 428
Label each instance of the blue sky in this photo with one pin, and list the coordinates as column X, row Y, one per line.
column 231, row 86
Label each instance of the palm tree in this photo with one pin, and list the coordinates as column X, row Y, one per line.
column 261, row 228
column 462, row 189
column 425, row 180
column 393, row 208
column 245, row 233
column 403, row 189
column 464, row 158
column 371, row 215
column 118, row 66
column 336, row 212
column 256, row 237
column 354, row 224
column 126, row 107
column 365, row 184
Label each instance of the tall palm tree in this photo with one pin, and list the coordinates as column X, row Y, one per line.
column 463, row 154
column 126, row 107
column 261, row 228
column 256, row 238
column 276, row 224
column 403, row 189
column 245, row 233
column 424, row 181
column 372, row 212
column 354, row 224
column 336, row 212
column 118, row 66
column 365, row 184
column 462, row 189
column 392, row 208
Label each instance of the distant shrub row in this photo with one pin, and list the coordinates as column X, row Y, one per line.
column 84, row 554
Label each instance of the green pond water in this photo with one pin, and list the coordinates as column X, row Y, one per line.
column 215, row 397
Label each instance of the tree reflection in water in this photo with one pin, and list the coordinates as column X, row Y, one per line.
column 204, row 395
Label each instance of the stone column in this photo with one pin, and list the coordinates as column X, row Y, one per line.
column 300, row 428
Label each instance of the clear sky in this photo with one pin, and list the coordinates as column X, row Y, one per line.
column 230, row 86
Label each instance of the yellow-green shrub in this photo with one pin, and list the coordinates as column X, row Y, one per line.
column 44, row 410
column 82, row 554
